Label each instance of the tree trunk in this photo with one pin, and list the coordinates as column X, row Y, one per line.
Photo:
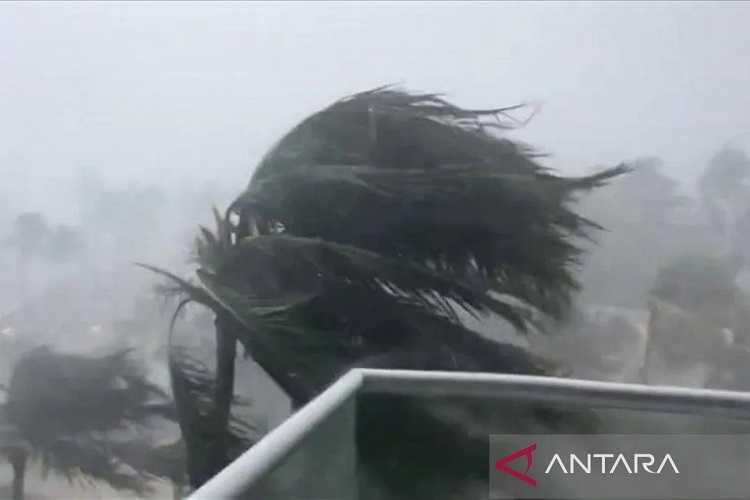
column 226, row 352
column 206, row 437
column 23, row 269
column 18, row 462
column 648, row 348
column 216, row 455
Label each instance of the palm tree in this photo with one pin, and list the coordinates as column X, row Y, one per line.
column 14, row 448
column 77, row 414
column 698, row 314
column 30, row 232
column 204, row 440
column 725, row 195
column 639, row 212
column 366, row 236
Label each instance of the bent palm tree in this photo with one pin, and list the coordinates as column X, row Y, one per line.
column 369, row 232
column 76, row 415
column 699, row 318
column 699, row 293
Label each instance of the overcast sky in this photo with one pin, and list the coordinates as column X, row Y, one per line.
column 159, row 92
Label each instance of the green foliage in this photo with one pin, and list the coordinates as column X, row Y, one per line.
column 210, row 248
column 76, row 412
column 372, row 227
column 694, row 280
column 316, row 308
column 403, row 209
column 416, row 178
column 193, row 386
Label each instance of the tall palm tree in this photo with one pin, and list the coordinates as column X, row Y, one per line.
column 76, row 415
column 366, row 236
column 30, row 231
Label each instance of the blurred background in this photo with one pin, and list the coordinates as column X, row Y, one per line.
column 121, row 124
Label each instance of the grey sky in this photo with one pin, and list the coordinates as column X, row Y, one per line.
column 159, row 92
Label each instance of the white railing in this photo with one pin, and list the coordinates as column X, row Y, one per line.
column 245, row 472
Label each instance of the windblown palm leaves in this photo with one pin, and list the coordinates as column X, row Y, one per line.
column 415, row 178
column 77, row 413
column 206, row 440
column 374, row 227
column 378, row 218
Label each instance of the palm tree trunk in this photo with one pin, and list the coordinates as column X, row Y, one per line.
column 18, row 462
column 23, row 268
column 208, row 453
column 648, row 348
column 226, row 352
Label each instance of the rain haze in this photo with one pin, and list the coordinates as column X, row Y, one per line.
column 123, row 123
column 161, row 92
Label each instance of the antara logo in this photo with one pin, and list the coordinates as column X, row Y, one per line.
column 528, row 452
column 591, row 463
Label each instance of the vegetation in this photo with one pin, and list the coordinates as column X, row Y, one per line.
column 366, row 234
column 725, row 193
column 698, row 310
column 85, row 418
column 637, row 212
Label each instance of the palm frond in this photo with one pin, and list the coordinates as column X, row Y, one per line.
column 166, row 461
column 318, row 308
column 53, row 394
column 85, row 459
column 365, row 234
column 193, row 386
column 193, row 377
column 387, row 126
column 182, row 287
column 71, row 410
column 412, row 176
column 281, row 270
column 511, row 232
column 211, row 245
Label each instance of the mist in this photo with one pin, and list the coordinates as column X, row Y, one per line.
column 122, row 124
column 167, row 92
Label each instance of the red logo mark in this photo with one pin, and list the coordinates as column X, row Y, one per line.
column 528, row 452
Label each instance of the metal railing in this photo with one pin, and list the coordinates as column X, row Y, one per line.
column 245, row 472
